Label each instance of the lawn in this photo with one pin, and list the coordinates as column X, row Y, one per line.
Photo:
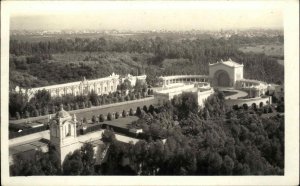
column 120, row 122
column 269, row 50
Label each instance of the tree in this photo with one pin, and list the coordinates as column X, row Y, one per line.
column 17, row 103
column 124, row 114
column 36, row 113
column 126, row 85
column 261, row 104
column 73, row 164
column 85, row 120
column 254, row 107
column 83, row 105
column 245, row 106
column 94, row 119
column 151, row 109
column 228, row 165
column 89, row 104
column 131, row 113
column 76, row 107
column 109, row 116
column 101, row 118
column 93, row 98
column 189, row 104
column 117, row 115
column 88, row 160
column 138, row 95
column 138, row 111
column 133, row 97
column 108, row 136
column 18, row 115
column 235, row 107
column 145, row 108
column 42, row 97
column 45, row 111
column 68, row 107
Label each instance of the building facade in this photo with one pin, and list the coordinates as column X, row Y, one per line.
column 99, row 86
column 222, row 75
column 225, row 73
column 134, row 79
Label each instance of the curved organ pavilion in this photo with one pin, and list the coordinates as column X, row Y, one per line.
column 225, row 75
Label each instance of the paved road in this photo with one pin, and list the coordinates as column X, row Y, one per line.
column 89, row 112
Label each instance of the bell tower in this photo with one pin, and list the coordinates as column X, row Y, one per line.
column 63, row 133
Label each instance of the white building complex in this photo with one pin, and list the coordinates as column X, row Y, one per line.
column 134, row 79
column 100, row 86
column 224, row 75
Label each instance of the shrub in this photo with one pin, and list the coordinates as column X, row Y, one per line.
column 36, row 113
column 18, row 115
column 117, row 115
column 151, row 109
column 245, row 106
column 144, row 94
column 109, row 116
column 68, row 107
column 124, row 114
column 261, row 104
column 145, row 108
column 108, row 136
column 83, row 105
column 133, row 97
column 45, row 111
column 84, row 120
column 235, row 107
column 138, row 95
column 138, row 111
column 76, row 107
column 254, row 107
column 53, row 110
column 89, row 104
column 265, row 110
column 101, row 118
column 131, row 113
column 94, row 119
column 270, row 110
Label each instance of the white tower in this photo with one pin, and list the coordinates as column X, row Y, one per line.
column 63, row 133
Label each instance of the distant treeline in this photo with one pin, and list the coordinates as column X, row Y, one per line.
column 144, row 55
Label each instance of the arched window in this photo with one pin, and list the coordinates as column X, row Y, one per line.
column 68, row 130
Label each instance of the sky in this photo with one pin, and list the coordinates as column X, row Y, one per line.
column 148, row 15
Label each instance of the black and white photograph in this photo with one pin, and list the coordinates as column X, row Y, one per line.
column 152, row 92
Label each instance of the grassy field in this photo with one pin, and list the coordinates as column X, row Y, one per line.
column 120, row 122
column 269, row 50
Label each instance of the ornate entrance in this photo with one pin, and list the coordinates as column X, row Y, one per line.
column 221, row 79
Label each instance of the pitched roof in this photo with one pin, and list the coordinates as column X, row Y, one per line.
column 229, row 62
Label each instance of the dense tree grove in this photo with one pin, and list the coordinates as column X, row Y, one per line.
column 214, row 140
column 43, row 104
column 155, row 56
column 182, row 138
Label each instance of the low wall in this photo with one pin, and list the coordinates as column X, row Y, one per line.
column 249, row 102
column 202, row 96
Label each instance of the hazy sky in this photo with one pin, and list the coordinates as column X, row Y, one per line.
column 145, row 15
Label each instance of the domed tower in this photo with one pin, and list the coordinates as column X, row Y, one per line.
column 63, row 133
